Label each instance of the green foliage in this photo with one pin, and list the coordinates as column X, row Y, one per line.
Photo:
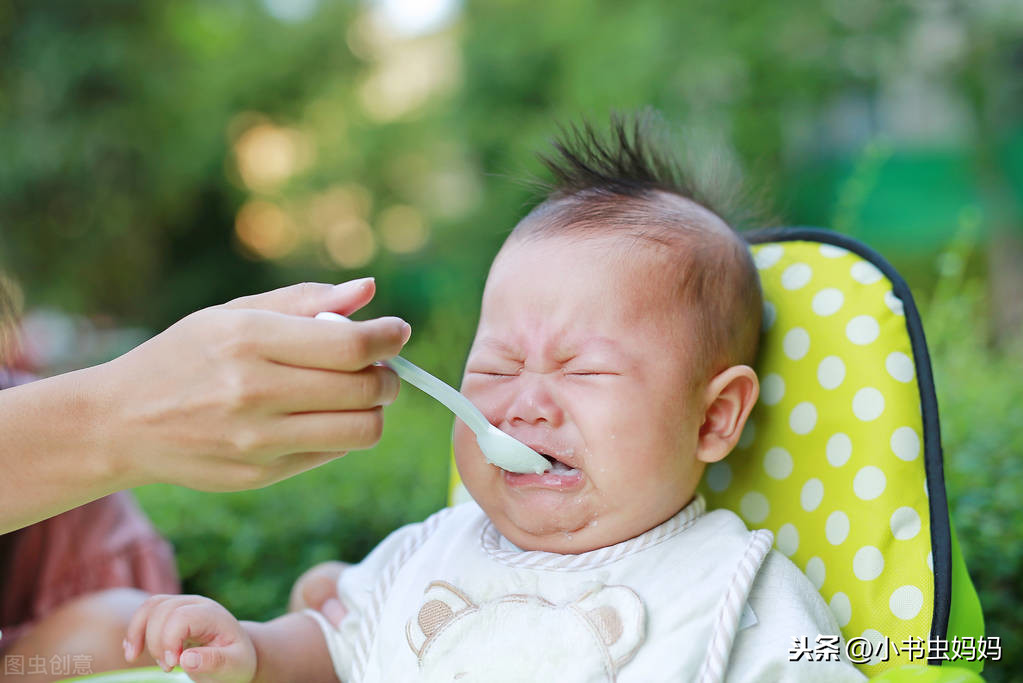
column 980, row 400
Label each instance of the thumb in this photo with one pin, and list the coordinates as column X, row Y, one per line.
column 309, row 298
column 334, row 610
column 203, row 660
column 318, row 590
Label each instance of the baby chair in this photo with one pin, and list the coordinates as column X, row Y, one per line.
column 842, row 460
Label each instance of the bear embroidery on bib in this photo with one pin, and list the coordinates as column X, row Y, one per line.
column 526, row 637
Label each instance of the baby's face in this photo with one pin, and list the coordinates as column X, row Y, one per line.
column 580, row 355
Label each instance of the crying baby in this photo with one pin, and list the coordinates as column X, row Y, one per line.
column 618, row 329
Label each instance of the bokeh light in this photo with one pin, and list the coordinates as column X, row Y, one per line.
column 403, row 229
column 268, row 155
column 350, row 243
column 416, row 17
column 265, row 230
column 338, row 204
column 408, row 74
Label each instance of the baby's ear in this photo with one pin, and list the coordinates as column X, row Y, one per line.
column 729, row 398
column 619, row 618
column 442, row 603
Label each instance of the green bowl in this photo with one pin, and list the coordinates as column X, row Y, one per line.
column 146, row 675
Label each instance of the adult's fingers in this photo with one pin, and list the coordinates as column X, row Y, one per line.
column 305, row 390
column 309, row 298
column 304, row 433
column 346, row 345
column 288, row 466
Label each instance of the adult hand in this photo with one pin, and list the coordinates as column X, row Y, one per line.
column 248, row 393
column 231, row 397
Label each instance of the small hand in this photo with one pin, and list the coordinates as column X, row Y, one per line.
column 317, row 589
column 199, row 634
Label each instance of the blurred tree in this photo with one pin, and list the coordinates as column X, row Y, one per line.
column 114, row 126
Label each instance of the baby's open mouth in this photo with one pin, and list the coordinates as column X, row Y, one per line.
column 559, row 475
column 558, row 467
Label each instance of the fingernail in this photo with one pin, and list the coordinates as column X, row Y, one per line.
column 190, row 660
column 406, row 332
column 354, row 284
column 334, row 611
column 170, row 658
column 129, row 651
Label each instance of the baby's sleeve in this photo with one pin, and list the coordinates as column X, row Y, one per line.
column 786, row 607
column 356, row 587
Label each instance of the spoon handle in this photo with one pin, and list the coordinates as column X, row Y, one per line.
column 455, row 402
column 417, row 377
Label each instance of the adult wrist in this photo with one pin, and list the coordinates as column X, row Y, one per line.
column 111, row 463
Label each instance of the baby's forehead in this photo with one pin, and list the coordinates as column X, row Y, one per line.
column 595, row 213
column 575, row 279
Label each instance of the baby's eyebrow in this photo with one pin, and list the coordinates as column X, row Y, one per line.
column 605, row 344
column 600, row 347
column 498, row 346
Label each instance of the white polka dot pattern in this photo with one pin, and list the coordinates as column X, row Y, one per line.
column 778, row 463
column 868, row 563
column 754, row 507
column 772, row 388
column 905, row 523
column 796, row 343
column 906, row 601
column 831, row 372
column 836, row 530
column 812, row 494
column 841, row 608
column 828, row 301
column 796, row 276
column 803, row 418
column 816, row 571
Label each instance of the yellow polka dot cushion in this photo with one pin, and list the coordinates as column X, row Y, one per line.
column 841, row 458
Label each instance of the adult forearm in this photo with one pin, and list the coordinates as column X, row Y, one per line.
column 231, row 397
column 55, row 449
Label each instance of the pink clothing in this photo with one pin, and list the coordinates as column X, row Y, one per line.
column 107, row 543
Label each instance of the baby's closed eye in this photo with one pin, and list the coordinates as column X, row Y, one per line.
column 590, row 371
column 494, row 372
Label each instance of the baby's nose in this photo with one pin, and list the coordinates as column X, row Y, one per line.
column 534, row 403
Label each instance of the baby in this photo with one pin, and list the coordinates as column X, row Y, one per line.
column 618, row 327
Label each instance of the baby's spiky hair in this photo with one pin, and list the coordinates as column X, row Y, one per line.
column 628, row 183
column 632, row 160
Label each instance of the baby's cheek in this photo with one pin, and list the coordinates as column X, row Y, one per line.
column 471, row 463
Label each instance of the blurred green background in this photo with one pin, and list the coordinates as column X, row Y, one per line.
column 157, row 157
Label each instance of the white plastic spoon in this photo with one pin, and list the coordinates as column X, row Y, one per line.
column 499, row 448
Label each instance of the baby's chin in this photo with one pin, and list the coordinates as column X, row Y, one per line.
column 566, row 536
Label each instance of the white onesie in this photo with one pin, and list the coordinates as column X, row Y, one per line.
column 698, row 598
